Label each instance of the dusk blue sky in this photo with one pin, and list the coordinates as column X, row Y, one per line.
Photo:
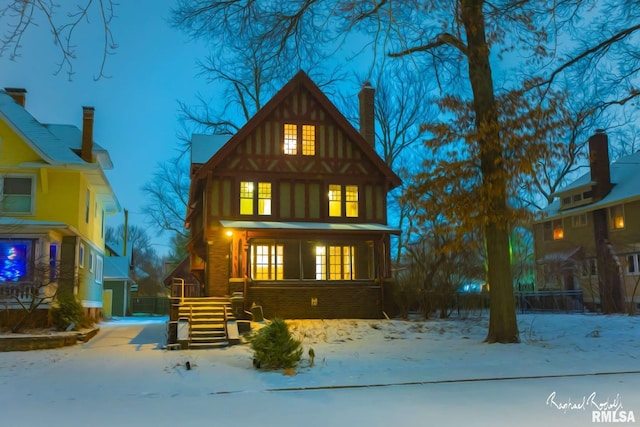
column 136, row 113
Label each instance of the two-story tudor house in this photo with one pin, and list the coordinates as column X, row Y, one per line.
column 291, row 211
column 54, row 200
column 589, row 238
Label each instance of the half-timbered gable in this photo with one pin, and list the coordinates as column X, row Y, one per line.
column 291, row 211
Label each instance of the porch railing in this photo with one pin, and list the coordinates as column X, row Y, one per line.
column 23, row 291
column 180, row 289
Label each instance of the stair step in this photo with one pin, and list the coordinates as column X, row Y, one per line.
column 207, row 327
column 207, row 317
column 208, row 345
column 208, row 339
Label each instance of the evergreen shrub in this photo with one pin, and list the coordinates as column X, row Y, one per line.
column 68, row 311
column 274, row 347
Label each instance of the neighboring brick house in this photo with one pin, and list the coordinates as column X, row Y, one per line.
column 292, row 210
column 589, row 237
column 54, row 200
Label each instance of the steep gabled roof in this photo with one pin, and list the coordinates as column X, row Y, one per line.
column 300, row 79
column 55, row 144
column 625, row 176
column 59, row 145
column 39, row 137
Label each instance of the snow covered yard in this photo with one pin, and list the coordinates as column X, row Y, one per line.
column 366, row 372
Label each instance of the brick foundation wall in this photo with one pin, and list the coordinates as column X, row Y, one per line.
column 333, row 302
column 39, row 318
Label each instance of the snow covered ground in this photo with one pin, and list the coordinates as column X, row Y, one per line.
column 367, row 372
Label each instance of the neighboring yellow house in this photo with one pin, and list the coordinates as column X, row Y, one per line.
column 589, row 238
column 54, row 200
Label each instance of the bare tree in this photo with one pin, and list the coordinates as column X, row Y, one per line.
column 147, row 265
column 167, row 195
column 19, row 16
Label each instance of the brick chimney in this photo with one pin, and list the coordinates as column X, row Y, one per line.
column 367, row 113
column 18, row 94
column 86, row 151
column 599, row 164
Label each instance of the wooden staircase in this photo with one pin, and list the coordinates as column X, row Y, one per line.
column 210, row 320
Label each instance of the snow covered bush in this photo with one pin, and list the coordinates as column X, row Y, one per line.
column 274, row 347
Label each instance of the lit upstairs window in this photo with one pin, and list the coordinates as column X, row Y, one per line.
column 293, row 145
column 553, row 230
column 558, row 231
column 246, row 198
column 616, row 215
column 308, row 140
column 264, row 198
column 290, row 139
column 335, row 200
column 351, row 204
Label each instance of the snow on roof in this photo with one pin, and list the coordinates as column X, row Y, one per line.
column 71, row 137
column 203, row 147
column 58, row 145
column 320, row 226
column 45, row 143
column 625, row 176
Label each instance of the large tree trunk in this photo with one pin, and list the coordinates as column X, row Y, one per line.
column 502, row 319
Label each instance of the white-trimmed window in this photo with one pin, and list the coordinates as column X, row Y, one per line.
column 81, row 255
column 99, row 268
column 616, row 217
column 92, row 262
column 633, row 264
column 16, row 194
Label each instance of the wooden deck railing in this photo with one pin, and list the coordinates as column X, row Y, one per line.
column 180, row 289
